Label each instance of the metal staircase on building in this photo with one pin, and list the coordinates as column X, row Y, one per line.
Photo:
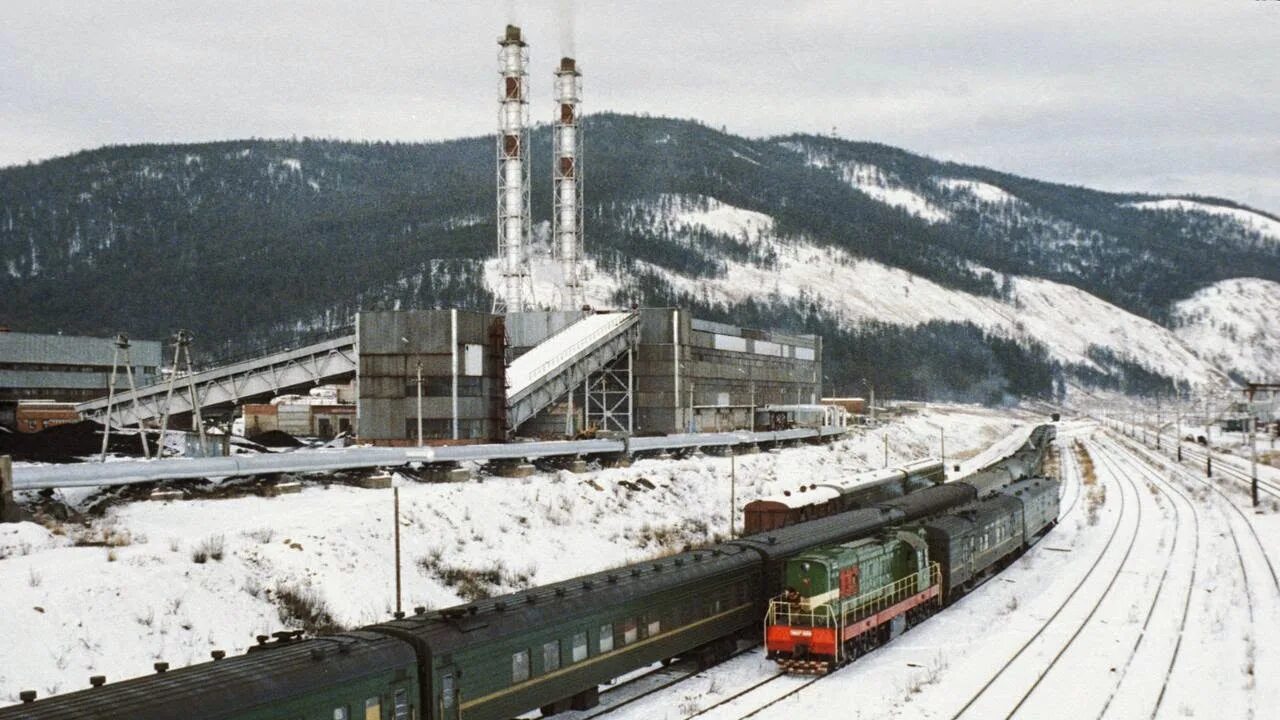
column 582, row 355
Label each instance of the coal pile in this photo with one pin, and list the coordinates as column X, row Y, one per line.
column 276, row 439
column 67, row 443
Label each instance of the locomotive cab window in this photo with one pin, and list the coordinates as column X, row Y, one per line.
column 606, row 638
column 401, row 705
column 373, row 709
column 519, row 667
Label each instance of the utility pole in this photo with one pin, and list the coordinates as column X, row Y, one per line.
column 1208, row 440
column 1178, row 438
column 396, row 522
column 1253, row 448
column 419, row 404
column 942, row 449
column 886, row 448
column 733, row 492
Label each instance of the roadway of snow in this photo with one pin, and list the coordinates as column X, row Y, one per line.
column 1176, row 626
column 559, row 349
column 1233, row 323
column 984, row 192
column 1064, row 318
column 1250, row 220
column 70, row 612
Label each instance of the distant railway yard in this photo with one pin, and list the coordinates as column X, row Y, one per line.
column 1142, row 589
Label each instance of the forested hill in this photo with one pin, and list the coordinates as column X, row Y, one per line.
column 260, row 241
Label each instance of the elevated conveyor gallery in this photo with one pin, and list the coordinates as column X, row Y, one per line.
column 262, row 377
column 565, row 361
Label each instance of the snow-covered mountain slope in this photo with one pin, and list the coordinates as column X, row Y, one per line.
column 1235, row 325
column 1268, row 227
column 1070, row 322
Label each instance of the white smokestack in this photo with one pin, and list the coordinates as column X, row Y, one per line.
column 566, row 152
column 513, row 174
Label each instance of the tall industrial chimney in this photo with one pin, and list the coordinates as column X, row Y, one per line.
column 566, row 151
column 513, row 175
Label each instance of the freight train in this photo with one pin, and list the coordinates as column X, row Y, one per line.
column 547, row 648
column 810, row 502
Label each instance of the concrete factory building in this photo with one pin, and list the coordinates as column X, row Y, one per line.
column 645, row 371
column 66, row 368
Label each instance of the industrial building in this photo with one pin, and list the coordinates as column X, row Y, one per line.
column 67, row 368
column 533, row 367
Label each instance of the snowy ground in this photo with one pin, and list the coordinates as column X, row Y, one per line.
column 1164, row 606
column 131, row 593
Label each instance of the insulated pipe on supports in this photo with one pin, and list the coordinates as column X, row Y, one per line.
column 566, row 176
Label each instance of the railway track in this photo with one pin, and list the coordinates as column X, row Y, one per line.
column 1161, row 461
column 1170, row 492
column 1125, row 549
column 1232, row 517
column 1230, row 470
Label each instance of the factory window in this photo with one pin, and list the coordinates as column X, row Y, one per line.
column 520, row 666
column 469, row 387
column 551, row 656
column 340, row 713
column 373, row 709
column 606, row 638
column 579, row 646
column 473, row 359
column 629, row 631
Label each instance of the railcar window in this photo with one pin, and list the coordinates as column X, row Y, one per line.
column 606, row 638
column 373, row 709
column 579, row 646
column 340, row 713
column 655, row 627
column 551, row 656
column 446, row 691
column 629, row 631
column 402, row 705
column 520, row 666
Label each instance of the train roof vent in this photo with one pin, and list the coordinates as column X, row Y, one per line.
column 635, row 572
column 161, row 667
column 657, row 567
column 613, row 578
column 218, row 654
column 27, row 696
column 679, row 562
column 559, row 592
column 97, row 680
column 773, row 540
column 587, row 585
column 697, row 557
column 500, row 606
column 317, row 654
column 531, row 599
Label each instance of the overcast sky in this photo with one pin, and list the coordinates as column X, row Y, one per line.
column 1171, row 96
